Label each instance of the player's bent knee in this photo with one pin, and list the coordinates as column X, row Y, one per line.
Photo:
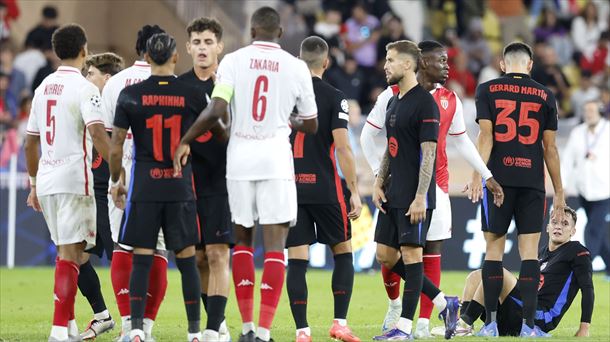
column 411, row 254
column 218, row 256
column 342, row 247
column 186, row 252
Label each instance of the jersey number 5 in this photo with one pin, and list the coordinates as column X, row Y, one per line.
column 503, row 119
column 156, row 123
column 50, row 122
column 260, row 89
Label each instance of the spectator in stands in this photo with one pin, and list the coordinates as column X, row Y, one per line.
column 391, row 31
column 476, row 47
column 8, row 110
column 348, row 77
column 294, row 29
column 551, row 31
column 547, row 71
column 361, row 36
column 52, row 63
column 586, row 31
column 30, row 61
column 605, row 100
column 465, row 11
column 461, row 75
column 586, row 92
column 9, row 11
column 491, row 70
column 596, row 63
column 513, row 20
column 17, row 85
column 44, row 30
column 586, row 169
column 329, row 27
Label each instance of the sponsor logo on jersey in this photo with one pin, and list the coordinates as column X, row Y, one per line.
column 159, row 173
column 393, row 146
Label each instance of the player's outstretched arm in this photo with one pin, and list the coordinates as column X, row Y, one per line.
column 551, row 159
column 32, row 145
column 417, row 209
column 380, row 182
column 100, row 138
column 345, row 156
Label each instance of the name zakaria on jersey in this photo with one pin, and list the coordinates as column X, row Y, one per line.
column 64, row 105
column 158, row 110
column 209, row 154
column 314, row 155
column 520, row 109
column 265, row 83
column 451, row 122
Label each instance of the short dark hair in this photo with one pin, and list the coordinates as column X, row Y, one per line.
column 407, row 47
column 571, row 212
column 314, row 51
column 203, row 24
column 144, row 34
column 49, row 12
column 518, row 47
column 68, row 41
column 429, row 45
column 107, row 62
column 160, row 47
column 266, row 19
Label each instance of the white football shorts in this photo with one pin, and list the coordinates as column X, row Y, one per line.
column 71, row 218
column 272, row 201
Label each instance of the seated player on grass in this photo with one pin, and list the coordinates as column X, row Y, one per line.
column 565, row 268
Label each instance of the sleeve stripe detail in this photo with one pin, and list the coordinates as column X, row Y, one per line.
column 307, row 117
column 431, row 120
column 457, row 133
column 94, row 122
column 372, row 124
column 32, row 132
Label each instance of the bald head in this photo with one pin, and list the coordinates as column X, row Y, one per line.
column 314, row 52
column 265, row 23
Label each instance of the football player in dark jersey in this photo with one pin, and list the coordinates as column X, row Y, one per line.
column 565, row 268
column 323, row 215
column 518, row 122
column 209, row 170
column 158, row 110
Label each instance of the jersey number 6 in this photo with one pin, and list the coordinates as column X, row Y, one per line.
column 503, row 119
column 260, row 89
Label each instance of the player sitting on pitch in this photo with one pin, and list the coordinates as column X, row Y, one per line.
column 565, row 268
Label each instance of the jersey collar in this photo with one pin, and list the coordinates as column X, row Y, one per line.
column 68, row 69
column 141, row 64
column 517, row 75
column 266, row 45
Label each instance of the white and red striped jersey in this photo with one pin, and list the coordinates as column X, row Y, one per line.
column 267, row 83
column 136, row 73
column 64, row 105
column 452, row 123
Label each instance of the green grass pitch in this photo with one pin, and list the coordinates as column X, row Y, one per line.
column 26, row 308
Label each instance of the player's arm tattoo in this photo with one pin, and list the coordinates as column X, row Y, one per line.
column 428, row 149
column 116, row 152
column 384, row 169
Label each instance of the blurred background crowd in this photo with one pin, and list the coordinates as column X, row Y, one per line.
column 570, row 38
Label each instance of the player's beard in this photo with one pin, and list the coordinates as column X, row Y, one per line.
column 392, row 80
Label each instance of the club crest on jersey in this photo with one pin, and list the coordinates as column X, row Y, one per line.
column 444, row 103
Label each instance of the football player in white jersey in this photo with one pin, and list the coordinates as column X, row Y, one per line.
column 66, row 112
column 432, row 73
column 121, row 264
column 99, row 69
column 262, row 83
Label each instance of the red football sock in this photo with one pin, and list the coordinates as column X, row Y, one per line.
column 432, row 269
column 66, row 283
column 120, row 270
column 157, row 285
column 243, row 278
column 391, row 281
column 271, row 287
